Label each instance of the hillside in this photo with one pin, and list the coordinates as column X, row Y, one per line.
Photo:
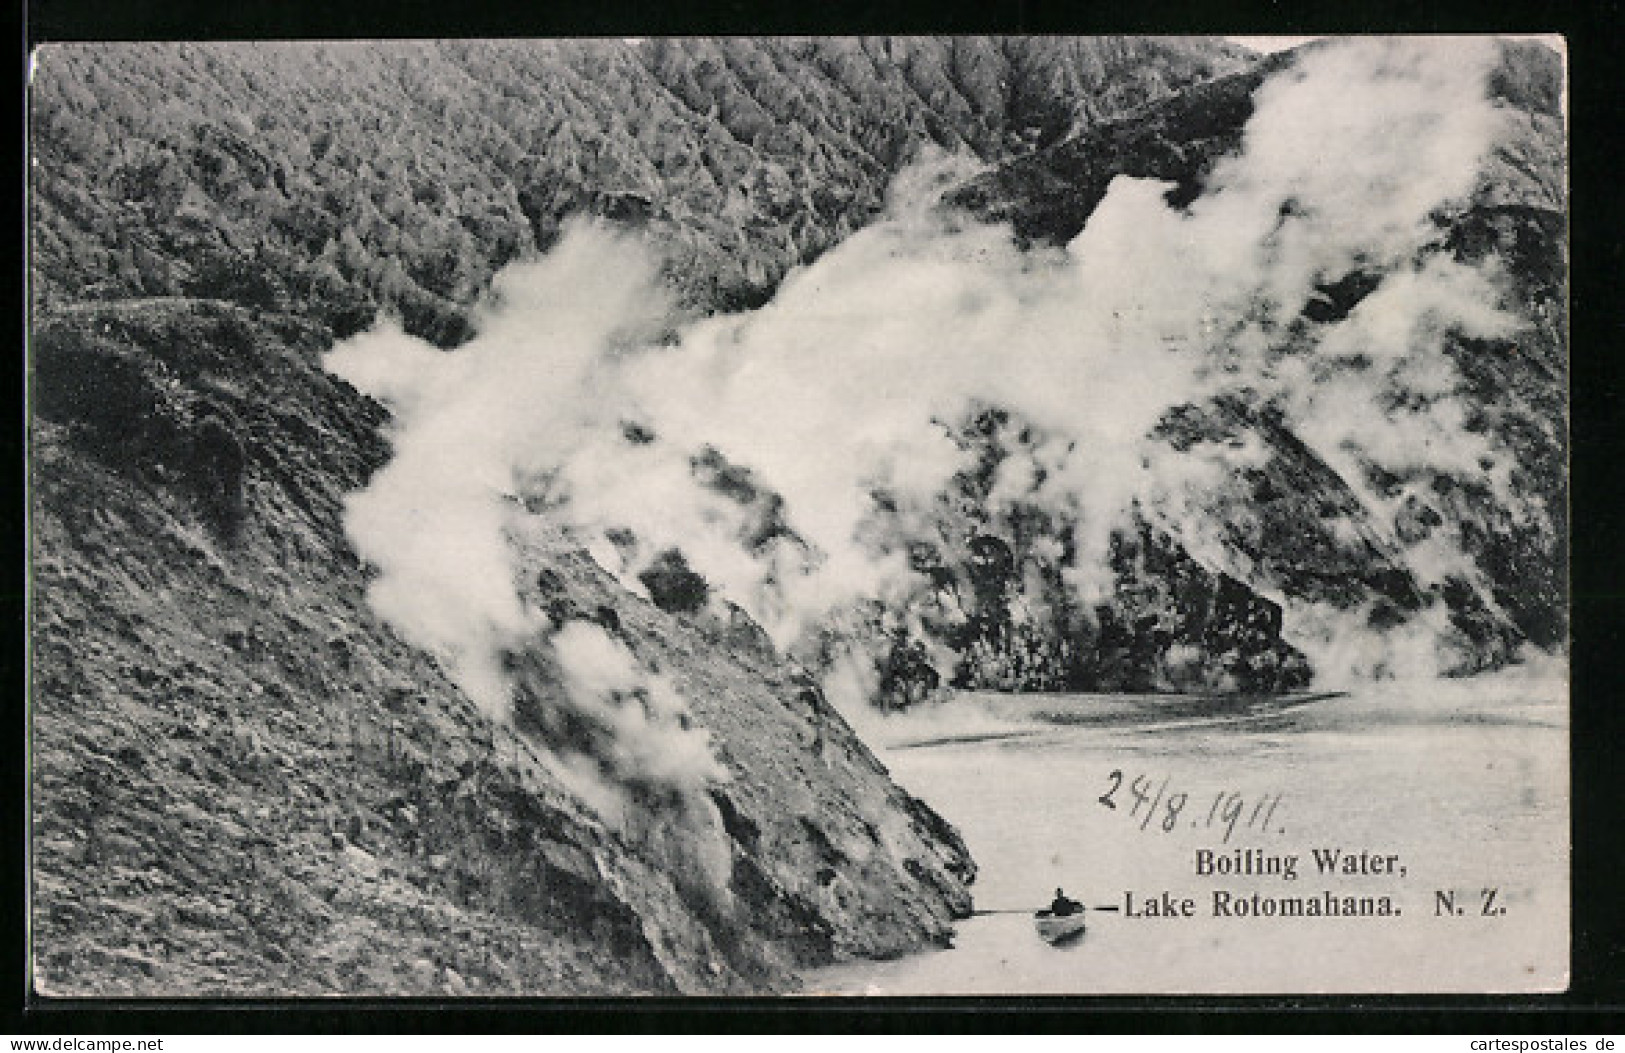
column 244, row 780
column 345, row 177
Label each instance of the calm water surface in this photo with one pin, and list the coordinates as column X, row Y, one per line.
column 1465, row 781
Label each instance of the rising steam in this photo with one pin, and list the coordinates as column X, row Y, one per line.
column 844, row 385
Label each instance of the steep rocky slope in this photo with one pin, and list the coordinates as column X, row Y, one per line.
column 245, row 783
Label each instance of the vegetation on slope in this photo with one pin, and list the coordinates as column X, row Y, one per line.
column 244, row 781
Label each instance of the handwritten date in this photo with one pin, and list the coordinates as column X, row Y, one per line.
column 1150, row 801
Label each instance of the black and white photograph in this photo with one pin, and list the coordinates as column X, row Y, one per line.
column 798, row 516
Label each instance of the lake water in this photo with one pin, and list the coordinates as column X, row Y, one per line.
column 1465, row 782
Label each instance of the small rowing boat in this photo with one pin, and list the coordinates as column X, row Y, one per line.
column 1057, row 929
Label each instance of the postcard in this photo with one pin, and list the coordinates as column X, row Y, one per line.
column 799, row 516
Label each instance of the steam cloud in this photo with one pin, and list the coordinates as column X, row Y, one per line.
column 646, row 719
column 843, row 384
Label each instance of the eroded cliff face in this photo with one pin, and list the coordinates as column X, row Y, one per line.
column 246, row 783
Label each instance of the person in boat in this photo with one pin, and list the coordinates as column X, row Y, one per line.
column 1062, row 907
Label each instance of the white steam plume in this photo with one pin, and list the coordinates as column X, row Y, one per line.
column 636, row 757
column 471, row 429
column 651, row 738
column 841, row 386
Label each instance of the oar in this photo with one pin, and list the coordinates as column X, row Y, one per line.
column 1032, row 910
